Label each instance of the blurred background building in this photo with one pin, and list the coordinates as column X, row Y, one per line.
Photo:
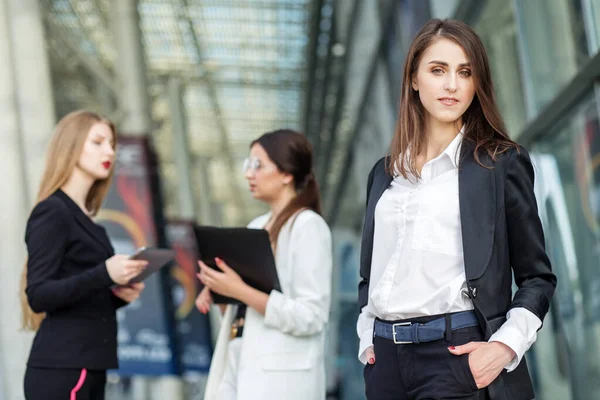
column 191, row 82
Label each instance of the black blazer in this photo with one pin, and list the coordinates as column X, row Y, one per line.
column 68, row 280
column 501, row 231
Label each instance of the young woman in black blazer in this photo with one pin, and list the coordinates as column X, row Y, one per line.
column 451, row 216
column 71, row 266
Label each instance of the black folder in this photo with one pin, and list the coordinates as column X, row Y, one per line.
column 247, row 251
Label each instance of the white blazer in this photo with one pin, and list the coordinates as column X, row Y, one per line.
column 282, row 354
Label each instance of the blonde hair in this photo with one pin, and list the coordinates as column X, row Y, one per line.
column 64, row 151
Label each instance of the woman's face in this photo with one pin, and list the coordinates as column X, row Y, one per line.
column 444, row 82
column 98, row 155
column 265, row 180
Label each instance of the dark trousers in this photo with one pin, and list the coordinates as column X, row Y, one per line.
column 64, row 384
column 423, row 371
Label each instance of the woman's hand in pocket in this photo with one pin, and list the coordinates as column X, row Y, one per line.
column 486, row 359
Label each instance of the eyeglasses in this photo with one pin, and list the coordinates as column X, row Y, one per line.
column 251, row 164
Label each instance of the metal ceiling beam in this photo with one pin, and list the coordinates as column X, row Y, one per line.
column 84, row 28
column 563, row 102
column 248, row 84
column 321, row 114
column 469, row 10
column 347, row 163
column 224, row 134
column 259, row 68
column 103, row 16
column 236, row 4
column 311, row 56
column 300, row 22
column 264, row 44
column 94, row 68
column 340, row 98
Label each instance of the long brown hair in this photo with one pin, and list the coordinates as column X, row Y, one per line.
column 482, row 123
column 292, row 153
column 64, row 150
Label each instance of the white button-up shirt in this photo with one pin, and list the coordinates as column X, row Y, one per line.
column 417, row 266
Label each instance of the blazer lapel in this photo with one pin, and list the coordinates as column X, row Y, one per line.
column 95, row 231
column 477, row 198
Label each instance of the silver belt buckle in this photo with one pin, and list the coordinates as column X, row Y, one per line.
column 394, row 331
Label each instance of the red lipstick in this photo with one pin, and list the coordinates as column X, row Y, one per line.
column 106, row 164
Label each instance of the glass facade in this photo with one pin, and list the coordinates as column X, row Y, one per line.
column 536, row 49
column 593, row 11
column 553, row 46
column 568, row 190
column 497, row 28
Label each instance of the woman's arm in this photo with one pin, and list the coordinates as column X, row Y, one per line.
column 364, row 325
column 363, row 285
column 528, row 258
column 46, row 237
column 533, row 276
column 305, row 310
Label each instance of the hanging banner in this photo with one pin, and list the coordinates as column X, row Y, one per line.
column 193, row 327
column 132, row 216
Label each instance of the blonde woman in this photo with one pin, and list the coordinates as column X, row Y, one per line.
column 273, row 346
column 71, row 266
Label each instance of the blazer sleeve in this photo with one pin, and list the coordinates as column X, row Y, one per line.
column 117, row 302
column 46, row 237
column 363, row 285
column 528, row 258
column 305, row 310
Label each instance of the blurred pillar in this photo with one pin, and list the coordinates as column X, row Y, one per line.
column 208, row 213
column 208, row 216
column 181, row 150
column 137, row 120
column 27, row 115
column 131, row 68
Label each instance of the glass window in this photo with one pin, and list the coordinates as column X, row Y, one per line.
column 497, row 28
column 554, row 46
column 566, row 358
column 594, row 20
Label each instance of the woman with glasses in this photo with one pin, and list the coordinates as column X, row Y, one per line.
column 272, row 347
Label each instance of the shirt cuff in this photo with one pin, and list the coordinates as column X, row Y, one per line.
column 366, row 340
column 519, row 332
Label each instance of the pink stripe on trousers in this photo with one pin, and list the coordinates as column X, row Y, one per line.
column 79, row 384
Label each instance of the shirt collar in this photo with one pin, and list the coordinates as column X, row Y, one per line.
column 453, row 149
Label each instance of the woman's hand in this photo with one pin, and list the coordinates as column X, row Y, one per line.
column 204, row 300
column 486, row 359
column 129, row 293
column 370, row 354
column 227, row 283
column 121, row 268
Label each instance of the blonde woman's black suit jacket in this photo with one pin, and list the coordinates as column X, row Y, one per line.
column 68, row 280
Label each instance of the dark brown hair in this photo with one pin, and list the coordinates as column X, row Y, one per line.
column 482, row 122
column 292, row 153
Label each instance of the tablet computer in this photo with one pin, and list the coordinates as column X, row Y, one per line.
column 247, row 251
column 157, row 258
